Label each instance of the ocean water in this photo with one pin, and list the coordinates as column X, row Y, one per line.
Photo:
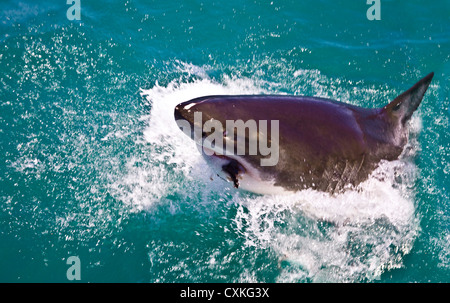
column 94, row 166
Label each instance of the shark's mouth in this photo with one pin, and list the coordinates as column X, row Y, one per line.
column 230, row 166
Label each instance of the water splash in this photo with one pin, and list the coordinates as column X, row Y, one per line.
column 354, row 236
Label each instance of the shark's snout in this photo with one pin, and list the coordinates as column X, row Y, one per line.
column 185, row 111
column 177, row 113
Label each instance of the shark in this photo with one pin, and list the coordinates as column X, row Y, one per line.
column 275, row 144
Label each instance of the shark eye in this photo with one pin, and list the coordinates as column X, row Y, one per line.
column 396, row 107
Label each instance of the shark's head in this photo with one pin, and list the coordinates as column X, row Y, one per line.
column 231, row 140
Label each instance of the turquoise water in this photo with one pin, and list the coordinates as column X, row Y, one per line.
column 94, row 166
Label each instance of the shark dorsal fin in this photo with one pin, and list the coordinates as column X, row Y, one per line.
column 402, row 107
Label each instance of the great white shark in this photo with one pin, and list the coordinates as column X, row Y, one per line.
column 317, row 143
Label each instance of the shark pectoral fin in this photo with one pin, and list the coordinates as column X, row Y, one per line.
column 233, row 168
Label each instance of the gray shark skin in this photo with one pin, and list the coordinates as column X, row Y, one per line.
column 323, row 144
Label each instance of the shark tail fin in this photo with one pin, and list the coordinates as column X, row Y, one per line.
column 405, row 104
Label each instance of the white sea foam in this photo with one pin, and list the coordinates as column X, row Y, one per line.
column 352, row 236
